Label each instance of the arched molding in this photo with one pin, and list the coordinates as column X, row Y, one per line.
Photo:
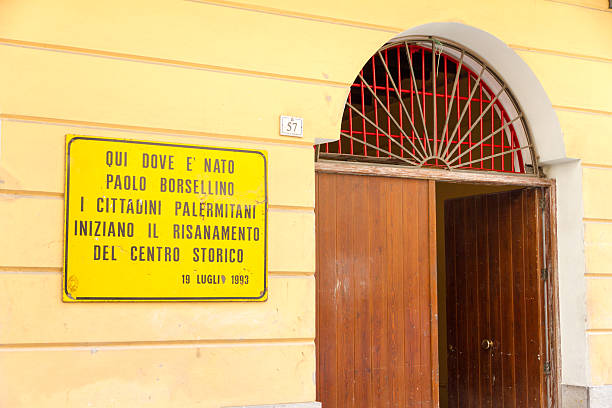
column 533, row 100
column 549, row 145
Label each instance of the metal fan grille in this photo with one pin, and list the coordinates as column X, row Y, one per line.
column 428, row 103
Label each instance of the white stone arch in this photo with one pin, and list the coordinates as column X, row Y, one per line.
column 549, row 144
column 528, row 91
column 547, row 137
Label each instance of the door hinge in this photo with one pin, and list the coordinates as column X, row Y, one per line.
column 544, row 274
column 547, row 368
column 542, row 203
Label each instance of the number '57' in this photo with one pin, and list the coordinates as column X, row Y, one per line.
column 292, row 126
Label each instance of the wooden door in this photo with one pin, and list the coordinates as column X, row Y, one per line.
column 376, row 292
column 494, row 292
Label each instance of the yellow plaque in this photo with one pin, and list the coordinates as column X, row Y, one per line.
column 148, row 221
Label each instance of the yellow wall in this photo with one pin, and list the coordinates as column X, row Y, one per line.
column 221, row 73
column 598, row 234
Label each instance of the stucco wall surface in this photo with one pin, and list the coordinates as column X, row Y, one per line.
column 220, row 73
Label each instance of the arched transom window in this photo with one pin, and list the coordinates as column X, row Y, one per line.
column 426, row 102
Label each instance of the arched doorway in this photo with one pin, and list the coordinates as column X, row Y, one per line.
column 394, row 236
column 426, row 102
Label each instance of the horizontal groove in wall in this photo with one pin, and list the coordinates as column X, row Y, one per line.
column 300, row 15
column 597, row 220
column 582, row 110
column 151, row 130
column 281, row 275
column 93, row 347
column 597, row 166
column 598, row 275
column 599, row 331
column 30, row 269
column 54, row 269
column 290, row 208
column 31, row 193
column 169, row 62
column 572, row 4
column 524, row 48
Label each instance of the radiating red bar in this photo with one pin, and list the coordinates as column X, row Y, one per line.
column 520, row 153
column 469, row 137
column 363, row 122
column 388, row 107
column 434, row 79
column 351, row 121
column 492, row 130
column 399, row 85
column 413, row 135
column 458, row 116
column 503, row 142
column 435, row 102
column 423, row 90
column 375, row 108
column 446, row 96
column 480, row 126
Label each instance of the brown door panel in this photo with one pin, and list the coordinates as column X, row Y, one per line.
column 374, row 288
column 494, row 292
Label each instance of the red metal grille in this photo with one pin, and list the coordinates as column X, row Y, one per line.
column 426, row 103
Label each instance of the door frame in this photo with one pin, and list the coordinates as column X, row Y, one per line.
column 549, row 192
